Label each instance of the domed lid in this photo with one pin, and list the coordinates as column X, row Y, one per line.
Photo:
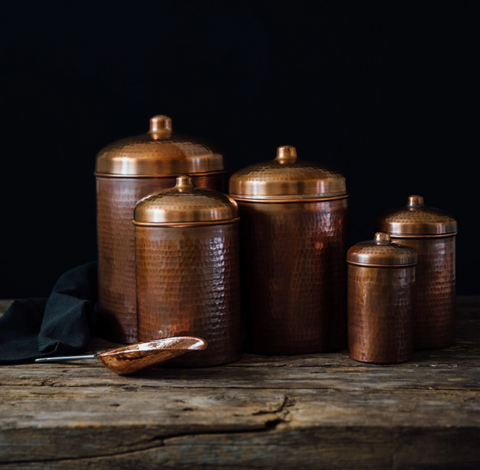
column 381, row 252
column 287, row 178
column 159, row 152
column 185, row 204
column 416, row 219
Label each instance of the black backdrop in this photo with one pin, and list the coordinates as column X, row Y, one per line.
column 386, row 92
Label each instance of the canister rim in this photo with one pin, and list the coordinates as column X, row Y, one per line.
column 419, row 235
column 372, row 265
column 273, row 200
column 186, row 224
column 158, row 175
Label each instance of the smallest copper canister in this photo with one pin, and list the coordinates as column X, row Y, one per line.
column 381, row 276
column 431, row 233
column 187, row 270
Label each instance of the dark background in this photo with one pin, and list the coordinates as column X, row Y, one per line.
column 386, row 92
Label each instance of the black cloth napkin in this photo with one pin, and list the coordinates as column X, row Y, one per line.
column 60, row 324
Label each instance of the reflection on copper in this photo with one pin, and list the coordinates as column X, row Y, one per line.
column 431, row 233
column 126, row 171
column 185, row 203
column 286, row 178
column 294, row 235
column 188, row 278
column 137, row 357
column 134, row 358
column 381, row 276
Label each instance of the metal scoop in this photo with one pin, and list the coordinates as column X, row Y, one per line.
column 136, row 357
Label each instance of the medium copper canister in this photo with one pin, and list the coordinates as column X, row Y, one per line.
column 126, row 171
column 293, row 238
column 431, row 233
column 381, row 276
column 188, row 270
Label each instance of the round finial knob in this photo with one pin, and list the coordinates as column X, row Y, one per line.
column 160, row 124
column 415, row 201
column 184, row 183
column 286, row 154
column 382, row 238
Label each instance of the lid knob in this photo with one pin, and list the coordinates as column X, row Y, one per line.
column 286, row 154
column 160, row 124
column 184, row 183
column 382, row 238
column 415, row 201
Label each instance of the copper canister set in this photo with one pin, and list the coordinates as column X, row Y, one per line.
column 265, row 268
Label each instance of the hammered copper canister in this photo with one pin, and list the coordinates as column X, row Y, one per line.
column 126, row 171
column 381, row 276
column 431, row 233
column 188, row 271
column 293, row 238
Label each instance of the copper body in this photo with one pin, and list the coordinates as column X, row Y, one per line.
column 293, row 244
column 431, row 233
column 434, row 293
column 116, row 199
column 188, row 283
column 294, row 275
column 126, row 171
column 380, row 315
column 381, row 277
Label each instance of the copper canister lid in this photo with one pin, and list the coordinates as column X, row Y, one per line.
column 286, row 178
column 381, row 252
column 185, row 204
column 159, row 152
column 415, row 219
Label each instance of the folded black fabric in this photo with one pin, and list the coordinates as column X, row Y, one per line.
column 58, row 325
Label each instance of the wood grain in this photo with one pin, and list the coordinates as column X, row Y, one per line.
column 293, row 412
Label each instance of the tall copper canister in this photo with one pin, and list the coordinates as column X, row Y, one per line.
column 431, row 233
column 381, row 276
column 188, row 270
column 293, row 238
column 126, row 171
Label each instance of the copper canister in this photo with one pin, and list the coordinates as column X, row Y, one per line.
column 431, row 233
column 126, row 171
column 293, row 238
column 188, row 270
column 381, row 276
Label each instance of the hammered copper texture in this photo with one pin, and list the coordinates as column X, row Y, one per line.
column 188, row 283
column 381, row 251
column 434, row 292
column 294, row 276
column 380, row 314
column 274, row 179
column 116, row 199
column 416, row 219
column 160, row 153
column 185, row 203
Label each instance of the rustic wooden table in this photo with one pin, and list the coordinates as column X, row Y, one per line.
column 299, row 412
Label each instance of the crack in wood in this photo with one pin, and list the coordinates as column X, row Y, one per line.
column 281, row 409
column 277, row 410
column 161, row 441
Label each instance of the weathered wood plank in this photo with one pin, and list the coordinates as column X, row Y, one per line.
column 322, row 447
column 141, row 421
column 310, row 411
column 417, row 376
